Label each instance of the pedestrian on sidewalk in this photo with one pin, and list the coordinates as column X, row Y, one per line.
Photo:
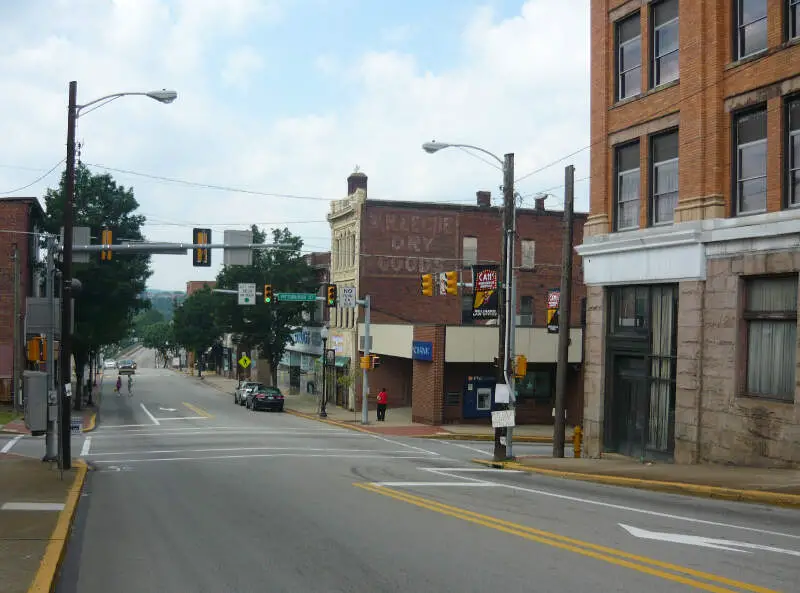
column 382, row 400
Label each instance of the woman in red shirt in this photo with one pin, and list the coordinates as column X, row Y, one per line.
column 382, row 399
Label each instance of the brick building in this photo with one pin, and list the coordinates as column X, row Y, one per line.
column 434, row 358
column 691, row 246
column 19, row 218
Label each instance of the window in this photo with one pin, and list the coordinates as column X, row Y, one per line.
column 750, row 130
column 751, row 27
column 470, row 251
column 629, row 57
column 664, row 177
column 793, row 160
column 536, row 385
column 630, row 309
column 793, row 19
column 665, row 42
column 525, row 311
column 528, row 254
column 771, row 317
column 627, row 190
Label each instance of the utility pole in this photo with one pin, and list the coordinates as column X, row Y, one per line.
column 365, row 372
column 17, row 359
column 51, row 446
column 564, row 313
column 66, row 282
column 504, row 291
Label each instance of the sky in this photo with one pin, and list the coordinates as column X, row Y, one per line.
column 279, row 101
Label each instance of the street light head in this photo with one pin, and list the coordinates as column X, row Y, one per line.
column 323, row 333
column 163, row 96
column 431, row 147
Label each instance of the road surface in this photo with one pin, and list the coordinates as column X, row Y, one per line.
column 192, row 493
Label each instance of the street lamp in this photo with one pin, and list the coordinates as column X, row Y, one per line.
column 73, row 113
column 506, row 318
column 323, row 333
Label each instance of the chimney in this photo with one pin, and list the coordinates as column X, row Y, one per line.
column 356, row 180
column 484, row 198
column 540, row 202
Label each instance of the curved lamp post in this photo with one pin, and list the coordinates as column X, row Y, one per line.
column 323, row 333
column 73, row 113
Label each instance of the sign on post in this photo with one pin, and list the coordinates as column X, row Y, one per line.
column 247, row 293
column 553, row 306
column 296, row 296
column 349, row 297
column 76, row 425
column 244, row 361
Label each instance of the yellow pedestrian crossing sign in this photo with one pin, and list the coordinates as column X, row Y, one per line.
column 244, row 361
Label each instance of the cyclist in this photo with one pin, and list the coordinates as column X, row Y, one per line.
column 130, row 385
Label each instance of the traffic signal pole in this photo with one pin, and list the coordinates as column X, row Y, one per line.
column 364, row 372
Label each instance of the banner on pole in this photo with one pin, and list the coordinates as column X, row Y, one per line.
column 553, row 303
column 485, row 299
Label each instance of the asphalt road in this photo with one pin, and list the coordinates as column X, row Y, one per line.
column 192, row 493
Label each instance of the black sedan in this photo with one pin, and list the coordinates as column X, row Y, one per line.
column 265, row 398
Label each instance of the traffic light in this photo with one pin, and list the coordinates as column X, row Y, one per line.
column 106, row 238
column 521, row 366
column 37, row 349
column 451, row 279
column 201, row 256
column 364, row 362
column 331, row 295
column 268, row 294
column 375, row 362
column 427, row 284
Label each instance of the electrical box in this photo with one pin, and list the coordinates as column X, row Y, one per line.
column 34, row 390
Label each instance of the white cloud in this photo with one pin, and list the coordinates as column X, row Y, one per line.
column 520, row 85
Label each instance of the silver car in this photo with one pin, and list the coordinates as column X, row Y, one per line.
column 245, row 387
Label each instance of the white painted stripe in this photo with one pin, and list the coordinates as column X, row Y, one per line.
column 298, row 449
column 146, row 411
column 469, row 470
column 481, row 451
column 10, row 444
column 186, row 418
column 402, row 444
column 447, row 484
column 32, row 506
column 286, row 429
column 87, row 444
column 220, row 433
column 213, row 457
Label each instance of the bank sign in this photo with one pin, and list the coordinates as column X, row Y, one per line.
column 421, row 350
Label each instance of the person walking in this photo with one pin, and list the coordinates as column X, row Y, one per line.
column 118, row 387
column 382, row 400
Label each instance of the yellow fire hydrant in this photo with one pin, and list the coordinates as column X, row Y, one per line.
column 576, row 441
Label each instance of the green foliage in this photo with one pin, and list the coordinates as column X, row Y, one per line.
column 145, row 319
column 160, row 337
column 195, row 324
column 268, row 327
column 109, row 297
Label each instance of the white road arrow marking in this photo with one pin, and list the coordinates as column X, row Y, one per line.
column 168, row 409
column 703, row 542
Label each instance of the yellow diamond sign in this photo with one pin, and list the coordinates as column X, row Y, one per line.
column 244, row 361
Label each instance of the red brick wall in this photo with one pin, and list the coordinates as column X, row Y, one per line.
column 428, row 378
column 708, row 78
column 400, row 241
column 194, row 285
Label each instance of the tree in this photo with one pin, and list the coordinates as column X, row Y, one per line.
column 147, row 318
column 195, row 324
column 109, row 296
column 269, row 327
column 159, row 336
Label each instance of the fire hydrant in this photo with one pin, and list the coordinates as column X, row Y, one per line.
column 576, row 441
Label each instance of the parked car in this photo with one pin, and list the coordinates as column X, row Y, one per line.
column 240, row 394
column 126, row 367
column 109, row 364
column 265, row 398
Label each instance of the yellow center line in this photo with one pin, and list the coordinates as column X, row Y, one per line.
column 198, row 411
column 606, row 554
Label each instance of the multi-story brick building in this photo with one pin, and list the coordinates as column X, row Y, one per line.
column 691, row 250
column 434, row 358
column 19, row 220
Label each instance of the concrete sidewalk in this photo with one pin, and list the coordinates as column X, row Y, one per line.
column 33, row 537
column 398, row 420
column 749, row 484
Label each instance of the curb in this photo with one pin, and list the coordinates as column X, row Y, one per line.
column 92, row 423
column 326, row 421
column 450, row 436
column 44, row 581
column 718, row 492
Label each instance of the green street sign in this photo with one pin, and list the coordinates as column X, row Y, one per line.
column 296, row 296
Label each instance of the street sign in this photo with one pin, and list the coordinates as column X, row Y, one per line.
column 442, row 283
column 296, row 296
column 349, row 297
column 244, row 361
column 76, row 425
column 247, row 293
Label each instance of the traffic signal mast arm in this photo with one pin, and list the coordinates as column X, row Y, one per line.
column 145, row 247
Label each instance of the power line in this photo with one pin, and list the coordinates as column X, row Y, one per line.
column 35, row 181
